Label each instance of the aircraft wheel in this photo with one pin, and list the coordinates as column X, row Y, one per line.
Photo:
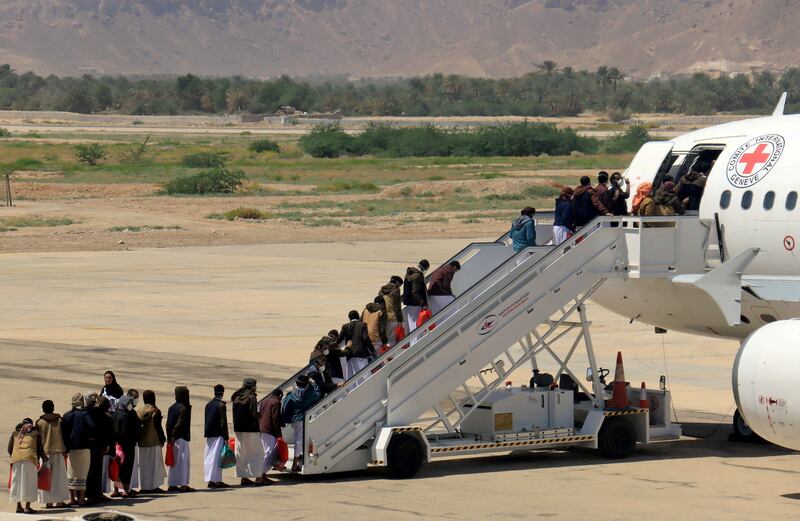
column 617, row 438
column 405, row 456
column 742, row 431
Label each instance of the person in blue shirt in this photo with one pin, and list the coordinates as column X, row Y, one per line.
column 523, row 230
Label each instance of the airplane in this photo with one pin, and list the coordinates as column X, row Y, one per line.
column 751, row 197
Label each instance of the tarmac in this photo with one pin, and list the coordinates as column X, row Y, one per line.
column 201, row 316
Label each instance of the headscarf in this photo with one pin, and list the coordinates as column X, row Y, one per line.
column 644, row 190
column 114, row 390
column 26, row 427
column 125, row 403
column 78, row 401
column 90, row 399
column 149, row 397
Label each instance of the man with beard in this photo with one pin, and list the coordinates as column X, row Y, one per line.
column 216, row 435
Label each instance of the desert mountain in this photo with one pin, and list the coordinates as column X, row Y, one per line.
column 495, row 38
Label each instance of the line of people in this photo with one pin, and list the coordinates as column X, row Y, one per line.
column 576, row 207
column 109, row 443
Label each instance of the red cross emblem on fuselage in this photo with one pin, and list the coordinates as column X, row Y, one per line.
column 753, row 159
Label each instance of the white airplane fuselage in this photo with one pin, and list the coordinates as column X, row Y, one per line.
column 751, row 195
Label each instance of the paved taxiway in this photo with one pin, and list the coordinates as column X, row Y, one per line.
column 199, row 316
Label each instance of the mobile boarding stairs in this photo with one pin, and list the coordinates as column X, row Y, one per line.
column 442, row 390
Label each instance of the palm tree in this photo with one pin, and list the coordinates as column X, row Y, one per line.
column 547, row 66
column 603, row 78
column 615, row 75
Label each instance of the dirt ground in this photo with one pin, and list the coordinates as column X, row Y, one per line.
column 150, row 220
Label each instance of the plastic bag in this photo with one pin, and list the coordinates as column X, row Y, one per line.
column 45, row 477
column 120, row 454
column 399, row 332
column 227, row 458
column 283, row 450
column 424, row 315
column 169, row 457
column 113, row 470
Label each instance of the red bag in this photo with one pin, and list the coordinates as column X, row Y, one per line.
column 423, row 316
column 113, row 470
column 399, row 332
column 10, row 470
column 45, row 477
column 169, row 458
column 283, row 450
column 232, row 444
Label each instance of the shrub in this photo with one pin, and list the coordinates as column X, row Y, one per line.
column 26, row 163
column 91, row 153
column 205, row 160
column 215, row 181
column 618, row 115
column 264, row 145
column 327, row 140
column 4, row 132
column 242, row 213
column 348, row 186
column 629, row 141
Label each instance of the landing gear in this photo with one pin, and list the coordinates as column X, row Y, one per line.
column 742, row 431
column 617, row 438
column 405, row 456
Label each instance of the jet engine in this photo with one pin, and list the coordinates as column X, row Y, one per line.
column 766, row 382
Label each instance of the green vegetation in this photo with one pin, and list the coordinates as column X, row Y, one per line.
column 242, row 213
column 347, row 186
column 90, row 154
column 4, row 132
column 206, row 160
column 263, row 145
column 549, row 90
column 9, row 224
column 629, row 141
column 215, row 181
column 513, row 139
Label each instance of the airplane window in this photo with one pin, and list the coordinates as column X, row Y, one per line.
column 791, row 200
column 725, row 199
column 747, row 199
column 766, row 317
column 769, row 200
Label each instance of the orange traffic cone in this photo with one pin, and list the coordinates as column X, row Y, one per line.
column 643, row 403
column 619, row 400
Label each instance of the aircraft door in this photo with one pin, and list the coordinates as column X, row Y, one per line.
column 649, row 161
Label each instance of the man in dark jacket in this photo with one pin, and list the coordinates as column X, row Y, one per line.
column 394, row 306
column 216, row 435
column 616, row 196
column 249, row 451
column 440, row 293
column 690, row 190
column 358, row 346
column 126, row 432
column 179, row 422
column 414, row 295
column 564, row 220
column 586, row 204
column 101, row 442
column 270, row 423
column 76, row 429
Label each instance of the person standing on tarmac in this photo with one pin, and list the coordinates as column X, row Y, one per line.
column 440, row 294
column 216, row 435
column 249, row 450
column 179, row 422
column 523, row 230
column 414, row 294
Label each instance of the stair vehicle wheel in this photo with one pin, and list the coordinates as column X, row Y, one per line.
column 741, row 430
column 617, row 438
column 405, row 456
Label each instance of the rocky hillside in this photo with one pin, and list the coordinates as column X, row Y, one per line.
column 395, row 37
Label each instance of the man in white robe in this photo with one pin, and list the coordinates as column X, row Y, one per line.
column 216, row 436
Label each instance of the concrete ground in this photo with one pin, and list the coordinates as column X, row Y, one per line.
column 201, row 316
